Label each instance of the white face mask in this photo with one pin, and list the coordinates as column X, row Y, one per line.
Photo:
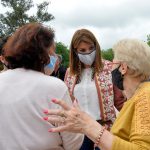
column 87, row 59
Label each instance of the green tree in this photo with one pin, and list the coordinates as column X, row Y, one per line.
column 64, row 52
column 108, row 54
column 17, row 15
column 148, row 39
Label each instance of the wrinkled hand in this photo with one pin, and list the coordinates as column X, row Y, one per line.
column 70, row 118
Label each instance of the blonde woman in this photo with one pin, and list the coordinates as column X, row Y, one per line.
column 131, row 130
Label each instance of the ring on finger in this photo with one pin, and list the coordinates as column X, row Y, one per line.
column 63, row 120
column 63, row 114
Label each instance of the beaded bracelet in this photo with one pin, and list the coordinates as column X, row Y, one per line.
column 99, row 136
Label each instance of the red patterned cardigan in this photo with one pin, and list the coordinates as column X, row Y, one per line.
column 108, row 94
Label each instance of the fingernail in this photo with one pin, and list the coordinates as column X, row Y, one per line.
column 50, row 130
column 45, row 118
column 45, row 111
column 54, row 100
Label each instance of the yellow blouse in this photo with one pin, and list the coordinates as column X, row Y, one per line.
column 132, row 127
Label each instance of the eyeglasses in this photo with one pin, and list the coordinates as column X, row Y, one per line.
column 113, row 65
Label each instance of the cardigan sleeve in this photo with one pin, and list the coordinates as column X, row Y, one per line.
column 139, row 136
column 120, row 144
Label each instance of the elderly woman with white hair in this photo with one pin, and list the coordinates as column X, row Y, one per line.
column 131, row 130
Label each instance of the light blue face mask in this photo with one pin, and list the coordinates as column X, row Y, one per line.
column 51, row 65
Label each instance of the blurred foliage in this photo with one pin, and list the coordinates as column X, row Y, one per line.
column 64, row 52
column 17, row 15
column 148, row 39
column 108, row 54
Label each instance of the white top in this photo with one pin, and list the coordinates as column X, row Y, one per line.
column 24, row 94
column 86, row 94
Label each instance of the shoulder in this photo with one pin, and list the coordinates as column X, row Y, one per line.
column 106, row 61
column 67, row 75
column 107, row 65
column 143, row 91
column 68, row 70
column 45, row 82
column 53, row 82
column 142, row 97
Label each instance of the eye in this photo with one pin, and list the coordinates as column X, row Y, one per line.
column 92, row 48
column 81, row 50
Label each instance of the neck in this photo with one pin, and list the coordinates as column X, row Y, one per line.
column 130, row 86
column 87, row 66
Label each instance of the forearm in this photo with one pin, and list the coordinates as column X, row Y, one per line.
column 92, row 131
column 108, row 141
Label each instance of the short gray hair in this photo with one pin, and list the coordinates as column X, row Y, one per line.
column 135, row 53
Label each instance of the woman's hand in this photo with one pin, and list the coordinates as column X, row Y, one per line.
column 70, row 118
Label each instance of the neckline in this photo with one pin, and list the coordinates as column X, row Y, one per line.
column 87, row 68
column 139, row 86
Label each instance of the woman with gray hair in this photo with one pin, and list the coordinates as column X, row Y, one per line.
column 131, row 130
